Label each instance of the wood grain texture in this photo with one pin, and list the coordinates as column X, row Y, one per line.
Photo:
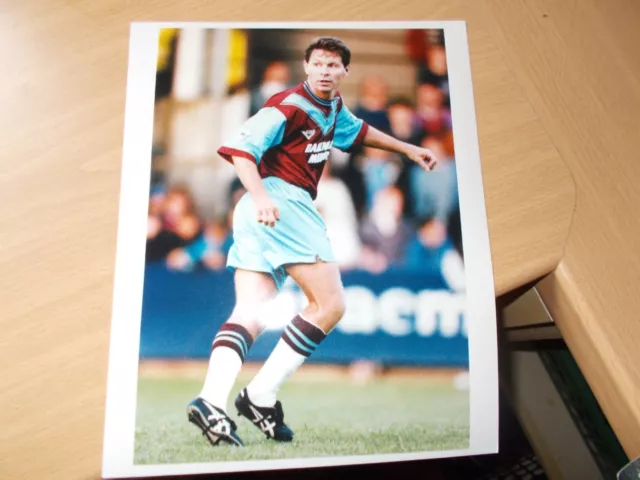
column 529, row 192
column 556, row 101
column 578, row 65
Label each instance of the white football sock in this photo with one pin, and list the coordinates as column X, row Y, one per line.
column 299, row 340
column 280, row 365
column 224, row 367
column 229, row 349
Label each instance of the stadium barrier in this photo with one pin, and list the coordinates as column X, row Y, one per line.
column 395, row 318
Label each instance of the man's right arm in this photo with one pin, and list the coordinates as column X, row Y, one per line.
column 266, row 209
column 245, row 150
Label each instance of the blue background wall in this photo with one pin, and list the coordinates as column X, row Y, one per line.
column 392, row 318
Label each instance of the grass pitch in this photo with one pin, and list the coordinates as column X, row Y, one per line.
column 329, row 416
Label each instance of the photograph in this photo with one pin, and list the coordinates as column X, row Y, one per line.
column 303, row 272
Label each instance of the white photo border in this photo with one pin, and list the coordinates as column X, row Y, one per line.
column 121, row 401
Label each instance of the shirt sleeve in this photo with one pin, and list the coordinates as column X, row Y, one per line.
column 257, row 135
column 350, row 130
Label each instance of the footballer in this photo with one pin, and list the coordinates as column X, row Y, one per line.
column 279, row 154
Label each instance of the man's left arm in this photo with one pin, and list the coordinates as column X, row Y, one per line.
column 352, row 131
column 422, row 156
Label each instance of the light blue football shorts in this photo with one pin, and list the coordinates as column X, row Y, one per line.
column 299, row 236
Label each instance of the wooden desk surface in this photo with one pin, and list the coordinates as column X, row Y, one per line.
column 557, row 88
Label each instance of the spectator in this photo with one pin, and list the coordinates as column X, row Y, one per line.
column 404, row 122
column 172, row 224
column 433, row 69
column 336, row 208
column 406, row 126
column 157, row 197
column 431, row 251
column 416, row 43
column 435, row 191
column 276, row 78
column 353, row 178
column 426, row 50
column 372, row 102
column 179, row 214
column 371, row 107
column 380, row 169
column 435, row 116
column 384, row 231
column 210, row 248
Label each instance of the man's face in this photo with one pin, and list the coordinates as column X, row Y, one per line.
column 325, row 71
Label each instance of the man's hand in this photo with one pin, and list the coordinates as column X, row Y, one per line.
column 423, row 157
column 266, row 210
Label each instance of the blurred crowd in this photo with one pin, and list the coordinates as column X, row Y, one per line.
column 382, row 211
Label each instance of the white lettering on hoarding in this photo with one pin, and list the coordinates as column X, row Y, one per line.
column 396, row 311
column 394, row 305
column 440, row 311
column 360, row 313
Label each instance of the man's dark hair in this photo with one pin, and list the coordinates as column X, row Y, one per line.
column 330, row 44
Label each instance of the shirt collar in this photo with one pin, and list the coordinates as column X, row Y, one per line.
column 317, row 99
